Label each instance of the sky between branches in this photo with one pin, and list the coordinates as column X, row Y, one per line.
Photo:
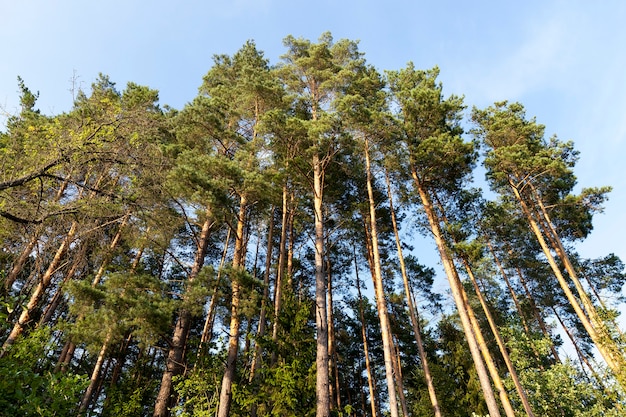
column 564, row 60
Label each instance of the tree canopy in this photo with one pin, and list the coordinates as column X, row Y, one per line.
column 260, row 251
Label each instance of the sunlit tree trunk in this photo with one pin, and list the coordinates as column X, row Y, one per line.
column 256, row 358
column 518, row 307
column 18, row 265
column 593, row 326
column 55, row 301
column 457, row 293
column 322, row 388
column 235, row 321
column 413, row 314
column 381, row 302
column 207, row 330
column 39, row 290
column 370, row 376
column 332, row 354
column 280, row 270
column 500, row 342
column 174, row 364
column 95, row 376
column 537, row 314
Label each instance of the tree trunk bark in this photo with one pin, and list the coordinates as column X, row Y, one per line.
column 332, row 354
column 39, row 290
column 175, row 364
column 505, row 354
column 256, row 357
column 371, row 384
column 235, row 322
column 321, row 320
column 518, row 307
column 537, row 314
column 280, row 271
column 379, row 291
column 207, row 330
column 605, row 347
column 95, row 377
column 413, row 313
column 456, row 289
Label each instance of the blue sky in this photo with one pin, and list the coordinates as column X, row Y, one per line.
column 564, row 60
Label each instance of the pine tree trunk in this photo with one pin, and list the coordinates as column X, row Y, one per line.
column 608, row 344
column 39, row 290
column 413, row 314
column 207, row 330
column 488, row 358
column 280, row 271
column 370, row 376
column 19, row 263
column 381, row 302
column 332, row 354
column 256, row 358
column 397, row 366
column 95, row 377
column 537, row 314
column 505, row 354
column 321, row 359
column 457, row 294
column 174, row 364
column 58, row 295
column 518, row 307
column 235, row 322
column 604, row 346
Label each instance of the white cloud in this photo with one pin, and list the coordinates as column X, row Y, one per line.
column 544, row 52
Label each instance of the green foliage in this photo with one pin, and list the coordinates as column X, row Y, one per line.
column 27, row 385
column 124, row 302
column 198, row 391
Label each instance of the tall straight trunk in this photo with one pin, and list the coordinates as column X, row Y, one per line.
column 581, row 355
column 457, row 293
column 256, row 357
column 119, row 365
column 235, row 322
column 207, row 329
column 593, row 326
column 291, row 241
column 39, row 290
column 608, row 392
column 518, row 307
column 280, row 271
column 95, row 377
column 500, row 342
column 332, row 352
column 371, row 384
column 542, row 324
column 321, row 320
column 174, row 364
column 381, row 303
column 397, row 366
column 505, row 276
column 488, row 358
column 609, row 345
column 68, row 350
column 109, row 254
column 413, row 313
column 19, row 263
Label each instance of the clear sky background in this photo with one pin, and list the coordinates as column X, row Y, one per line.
column 564, row 60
